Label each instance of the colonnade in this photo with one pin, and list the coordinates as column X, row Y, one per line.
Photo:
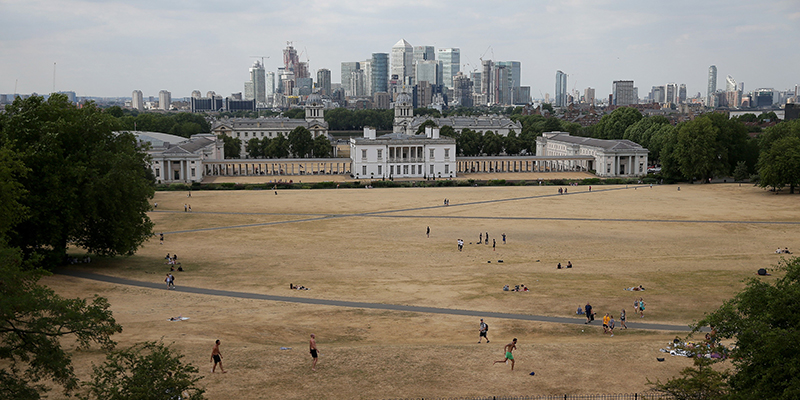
column 526, row 164
column 263, row 167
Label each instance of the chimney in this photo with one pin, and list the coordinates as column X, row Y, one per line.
column 434, row 133
column 428, row 132
column 369, row 133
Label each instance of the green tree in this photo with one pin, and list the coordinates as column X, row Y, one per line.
column 300, row 142
column 766, row 333
column 740, row 173
column 147, row 371
column 613, row 126
column 427, row 123
column 469, row 143
column 492, row 143
column 696, row 150
column 779, row 165
column 231, row 146
column 12, row 173
column 448, row 131
column 254, row 148
column 295, row 113
column 699, row 382
column 512, row 143
column 33, row 322
column 278, row 147
column 93, row 186
column 322, row 147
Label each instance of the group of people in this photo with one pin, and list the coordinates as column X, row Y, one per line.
column 446, row 202
column 608, row 320
column 216, row 355
column 481, row 240
column 517, row 288
column 784, row 250
column 508, row 349
column 173, row 261
column 295, row 287
column 187, row 207
column 569, row 265
column 170, row 280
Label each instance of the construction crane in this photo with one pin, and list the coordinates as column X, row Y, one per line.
column 262, row 59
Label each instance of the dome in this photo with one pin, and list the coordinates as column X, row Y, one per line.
column 403, row 98
column 314, row 99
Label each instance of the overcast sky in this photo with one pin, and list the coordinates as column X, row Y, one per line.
column 110, row 48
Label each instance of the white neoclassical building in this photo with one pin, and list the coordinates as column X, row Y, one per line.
column 402, row 156
column 178, row 159
column 259, row 128
column 612, row 158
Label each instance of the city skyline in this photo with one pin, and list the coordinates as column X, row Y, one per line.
column 112, row 48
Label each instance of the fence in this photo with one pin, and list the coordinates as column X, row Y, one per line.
column 618, row 396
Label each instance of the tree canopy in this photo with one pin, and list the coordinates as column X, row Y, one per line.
column 766, row 334
column 613, row 126
column 780, row 155
column 92, row 186
column 300, row 142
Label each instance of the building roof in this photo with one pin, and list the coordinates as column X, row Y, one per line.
column 157, row 139
column 623, row 144
column 479, row 123
column 171, row 144
column 266, row 123
column 402, row 138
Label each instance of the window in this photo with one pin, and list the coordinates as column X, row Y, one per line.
column 363, row 154
column 245, row 134
column 432, row 153
column 447, row 168
column 192, row 172
column 380, row 170
column 380, row 156
column 405, row 169
column 238, row 134
column 431, row 169
column 364, row 170
column 412, row 169
column 446, row 154
column 158, row 172
column 641, row 167
column 608, row 170
column 391, row 170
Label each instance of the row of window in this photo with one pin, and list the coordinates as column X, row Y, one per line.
column 415, row 169
column 269, row 134
column 380, row 154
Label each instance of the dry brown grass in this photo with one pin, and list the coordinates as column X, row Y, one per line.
column 688, row 268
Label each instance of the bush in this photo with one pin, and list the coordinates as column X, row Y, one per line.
column 228, row 185
column 591, row 181
column 178, row 186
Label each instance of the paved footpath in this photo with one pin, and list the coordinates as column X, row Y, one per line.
column 354, row 304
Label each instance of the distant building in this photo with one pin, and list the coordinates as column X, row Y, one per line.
column 462, row 90
column 624, row 93
column 588, row 96
column 402, row 61
column 178, row 159
column 348, row 68
column 324, row 82
column 164, row 100
column 612, row 158
column 451, row 65
column 206, row 104
column 561, row 89
column 137, row 100
column 427, row 71
column 712, row 86
column 381, row 100
column 380, row 73
column 257, row 84
column 249, row 128
column 399, row 155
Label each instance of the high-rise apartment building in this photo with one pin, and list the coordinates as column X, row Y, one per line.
column 164, row 100
column 712, row 86
column 658, row 94
column 514, row 71
column 502, row 85
column 462, row 89
column 475, row 77
column 402, row 62
column 486, row 80
column 682, row 93
column 324, row 81
column 348, row 67
column 380, row 73
column 624, row 94
column 588, row 95
column 671, row 93
column 561, row 89
column 366, row 66
column 451, row 65
column 137, row 100
column 270, row 85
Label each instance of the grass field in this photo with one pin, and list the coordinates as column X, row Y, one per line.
column 691, row 249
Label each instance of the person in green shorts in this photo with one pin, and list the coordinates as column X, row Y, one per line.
column 508, row 349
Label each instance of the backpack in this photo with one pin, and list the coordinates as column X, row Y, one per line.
column 487, row 327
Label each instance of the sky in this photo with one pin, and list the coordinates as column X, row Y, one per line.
column 109, row 48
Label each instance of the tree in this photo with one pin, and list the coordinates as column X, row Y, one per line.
column 740, row 173
column 278, row 147
column 147, row 371
column 322, row 147
column 492, row 143
column 12, row 211
column 427, row 123
column 93, row 186
column 469, row 143
column 448, row 131
column 231, row 146
column 613, row 126
column 300, row 142
column 779, row 165
column 254, row 148
column 33, row 321
column 512, row 144
column 766, row 333
column 695, row 383
column 295, row 113
column 696, row 150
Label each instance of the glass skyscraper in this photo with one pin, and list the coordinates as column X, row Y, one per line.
column 380, row 72
column 561, row 89
column 451, row 65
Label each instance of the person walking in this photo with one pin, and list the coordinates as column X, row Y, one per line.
column 622, row 319
column 216, row 357
column 504, row 238
column 161, row 238
column 312, row 348
column 589, row 313
column 611, row 325
column 484, row 329
column 606, row 320
column 509, row 348
column 480, row 238
column 428, row 232
column 494, row 244
column 641, row 307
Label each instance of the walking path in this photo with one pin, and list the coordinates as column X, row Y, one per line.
column 356, row 304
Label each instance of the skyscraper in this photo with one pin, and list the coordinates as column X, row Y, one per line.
column 366, row 66
column 588, row 95
column 486, row 80
column 258, row 81
column 671, row 93
column 462, row 89
column 624, row 93
column 712, row 86
column 380, row 72
column 427, row 71
column 682, row 93
column 475, row 77
column 402, row 61
column 324, row 81
column 561, row 89
column 348, row 67
column 137, row 100
column 270, row 85
column 451, row 65
column 164, row 99
column 514, row 69
column 423, row 53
